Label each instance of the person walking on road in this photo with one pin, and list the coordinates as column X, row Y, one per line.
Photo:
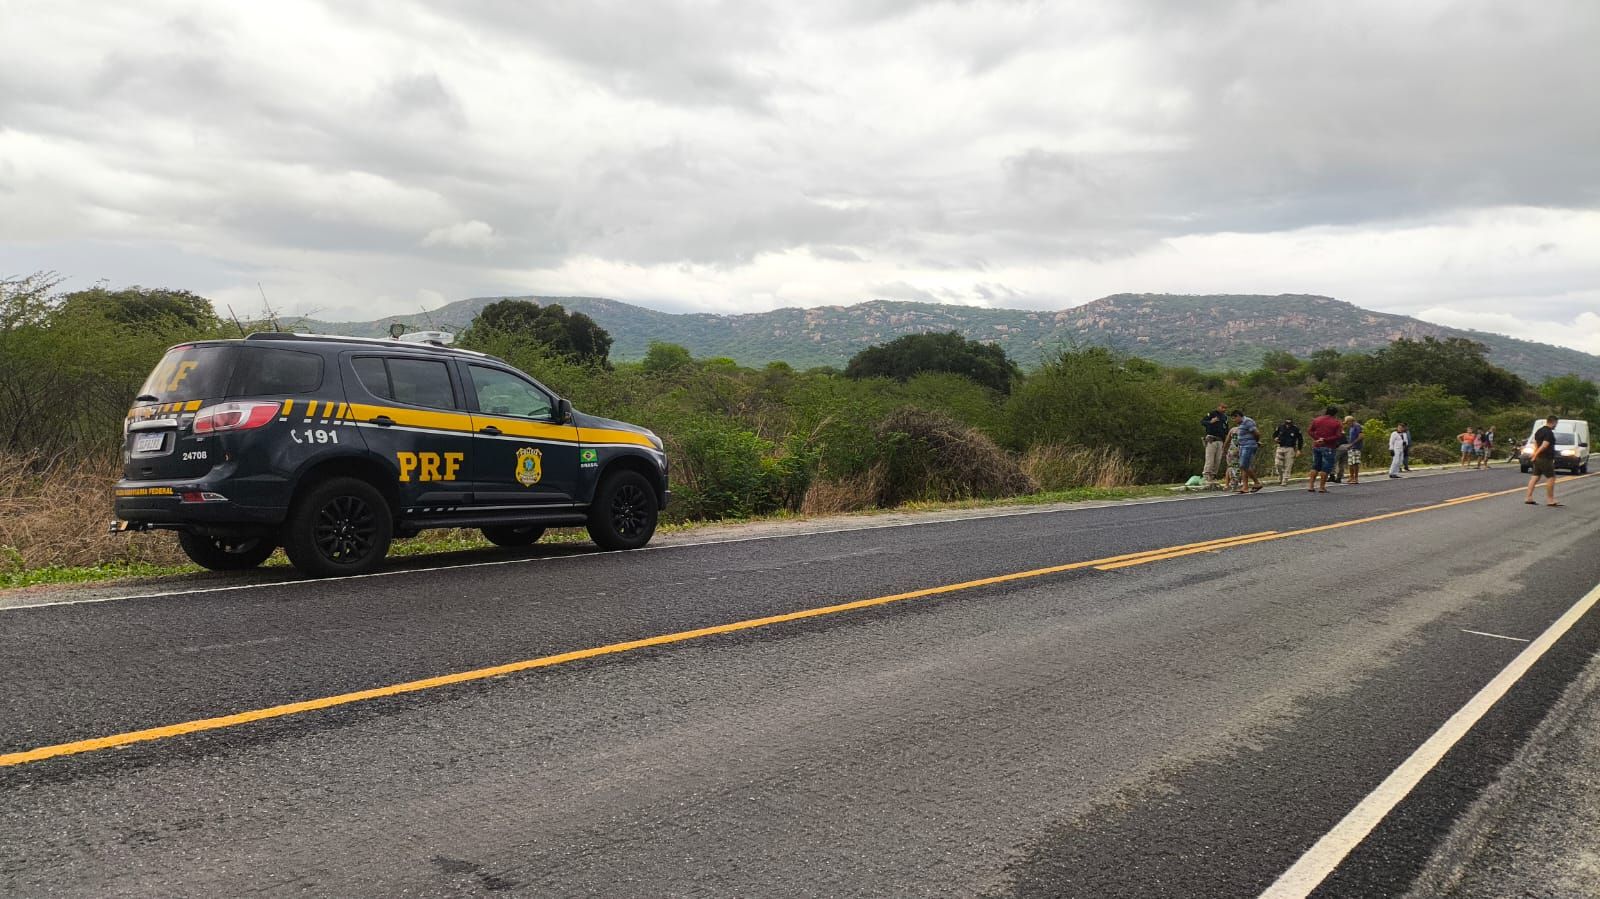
column 1290, row 442
column 1488, row 444
column 1544, row 463
column 1215, row 423
column 1397, row 449
column 1485, row 447
column 1326, row 435
column 1353, row 441
column 1248, row 439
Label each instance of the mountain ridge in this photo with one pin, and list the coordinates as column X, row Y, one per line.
column 1207, row 331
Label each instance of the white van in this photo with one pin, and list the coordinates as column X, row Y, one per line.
column 1572, row 445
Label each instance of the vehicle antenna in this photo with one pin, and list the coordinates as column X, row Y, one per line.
column 271, row 315
column 235, row 317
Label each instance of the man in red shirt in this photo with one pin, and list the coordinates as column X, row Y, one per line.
column 1326, row 433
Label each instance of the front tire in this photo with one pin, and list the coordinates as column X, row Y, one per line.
column 1524, row 467
column 513, row 535
column 224, row 553
column 624, row 512
column 341, row 526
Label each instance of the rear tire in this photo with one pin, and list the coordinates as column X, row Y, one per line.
column 624, row 512
column 341, row 526
column 224, row 553
column 1524, row 468
column 513, row 534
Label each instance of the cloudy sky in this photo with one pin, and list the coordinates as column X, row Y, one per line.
column 356, row 158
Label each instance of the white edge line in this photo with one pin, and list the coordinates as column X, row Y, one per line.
column 1326, row 854
column 302, row 581
column 1496, row 636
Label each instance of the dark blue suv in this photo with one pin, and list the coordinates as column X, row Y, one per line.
column 332, row 446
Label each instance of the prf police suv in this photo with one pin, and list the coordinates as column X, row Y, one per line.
column 332, row 446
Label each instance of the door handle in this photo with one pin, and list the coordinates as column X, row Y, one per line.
column 491, row 430
column 383, row 421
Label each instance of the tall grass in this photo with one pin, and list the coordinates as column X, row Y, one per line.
column 1055, row 466
column 54, row 511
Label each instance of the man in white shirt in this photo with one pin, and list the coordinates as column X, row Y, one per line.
column 1397, row 449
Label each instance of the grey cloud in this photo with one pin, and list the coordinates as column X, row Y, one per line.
column 695, row 54
column 835, row 254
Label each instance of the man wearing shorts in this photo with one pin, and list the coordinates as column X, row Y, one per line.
column 1353, row 440
column 1544, row 463
column 1248, row 439
column 1326, row 435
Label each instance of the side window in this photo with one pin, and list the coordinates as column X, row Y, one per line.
column 265, row 371
column 374, row 376
column 502, row 393
column 421, row 382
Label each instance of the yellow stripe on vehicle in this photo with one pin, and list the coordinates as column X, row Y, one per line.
column 438, row 420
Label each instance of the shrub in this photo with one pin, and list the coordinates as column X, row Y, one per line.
column 725, row 471
column 1096, row 398
column 928, row 455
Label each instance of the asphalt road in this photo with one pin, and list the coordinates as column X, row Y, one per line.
column 1186, row 726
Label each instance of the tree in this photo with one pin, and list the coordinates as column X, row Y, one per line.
column 1569, row 394
column 144, row 308
column 570, row 335
column 1094, row 398
column 1460, row 366
column 1430, row 412
column 912, row 354
column 665, row 357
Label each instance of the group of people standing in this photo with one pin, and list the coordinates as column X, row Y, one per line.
column 1336, row 446
column 1477, row 444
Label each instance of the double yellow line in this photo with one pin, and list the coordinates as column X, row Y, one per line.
column 1110, row 563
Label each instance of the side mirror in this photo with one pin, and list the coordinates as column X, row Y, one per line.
column 563, row 411
column 1584, row 445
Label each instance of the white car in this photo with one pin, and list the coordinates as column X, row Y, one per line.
column 1572, row 445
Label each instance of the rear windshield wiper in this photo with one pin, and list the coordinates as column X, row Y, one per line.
column 145, row 398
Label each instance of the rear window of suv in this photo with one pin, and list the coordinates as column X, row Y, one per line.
column 261, row 371
column 189, row 373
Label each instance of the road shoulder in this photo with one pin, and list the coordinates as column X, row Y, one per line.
column 1532, row 832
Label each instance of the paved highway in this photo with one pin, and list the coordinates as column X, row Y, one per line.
column 1118, row 701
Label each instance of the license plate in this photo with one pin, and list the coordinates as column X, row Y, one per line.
column 148, row 443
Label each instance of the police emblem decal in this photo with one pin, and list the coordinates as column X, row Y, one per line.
column 530, row 466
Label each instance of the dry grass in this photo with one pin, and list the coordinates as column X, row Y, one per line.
column 849, row 494
column 54, row 511
column 931, row 456
column 1058, row 467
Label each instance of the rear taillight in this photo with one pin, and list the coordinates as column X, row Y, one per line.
column 233, row 417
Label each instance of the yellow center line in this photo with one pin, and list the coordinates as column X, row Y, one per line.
column 1109, row 563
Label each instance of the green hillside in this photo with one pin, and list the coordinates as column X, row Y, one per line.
column 1208, row 332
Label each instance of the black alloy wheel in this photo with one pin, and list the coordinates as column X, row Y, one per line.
column 340, row 526
column 225, row 553
column 345, row 530
column 624, row 512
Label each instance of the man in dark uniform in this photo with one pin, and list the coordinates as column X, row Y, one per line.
column 1290, row 442
column 1216, row 424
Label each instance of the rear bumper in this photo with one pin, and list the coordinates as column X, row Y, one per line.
column 232, row 506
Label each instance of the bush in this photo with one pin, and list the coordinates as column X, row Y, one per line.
column 931, row 456
column 1096, row 398
column 725, row 471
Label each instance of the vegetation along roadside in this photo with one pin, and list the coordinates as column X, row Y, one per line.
column 925, row 418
